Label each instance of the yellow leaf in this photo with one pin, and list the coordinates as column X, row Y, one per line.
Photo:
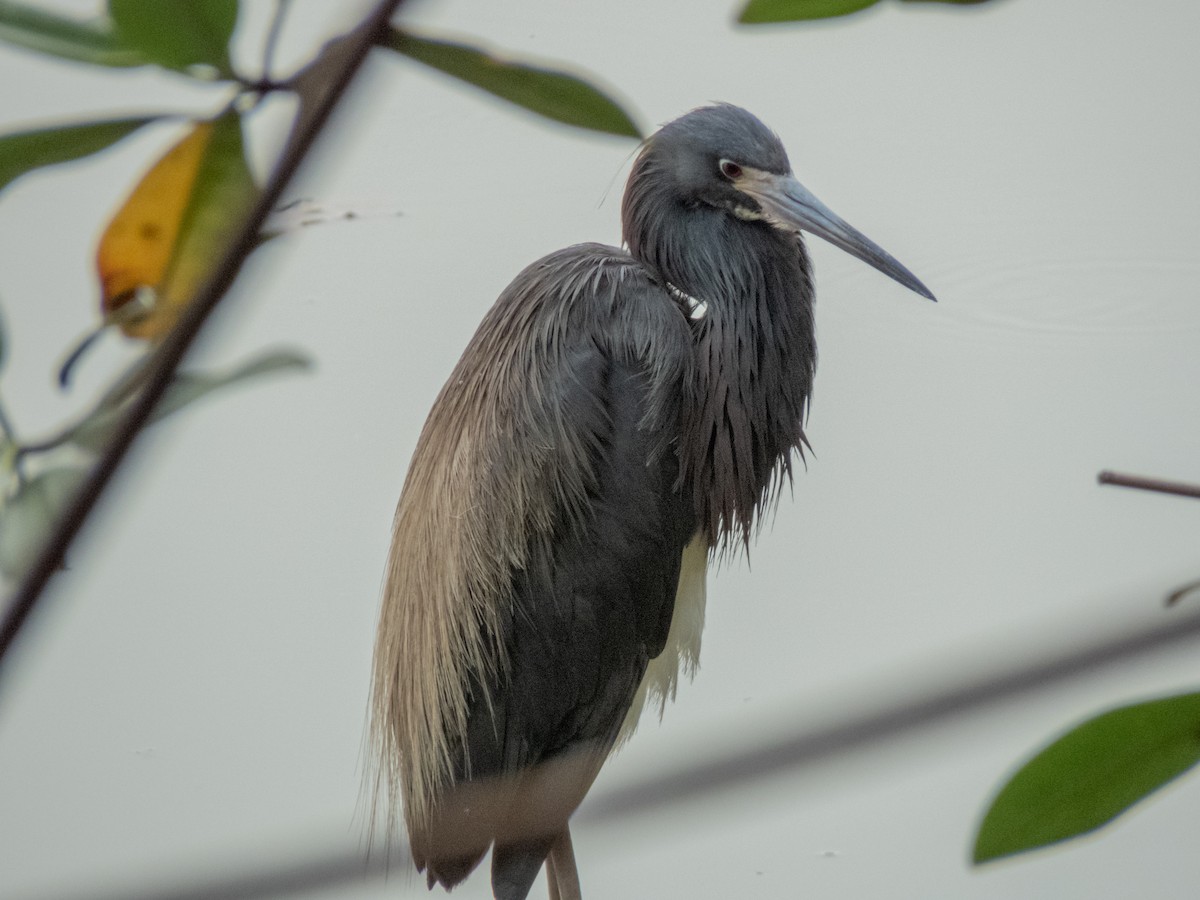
column 165, row 238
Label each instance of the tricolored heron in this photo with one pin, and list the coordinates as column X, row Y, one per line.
column 618, row 416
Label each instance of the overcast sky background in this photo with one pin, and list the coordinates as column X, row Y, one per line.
column 191, row 699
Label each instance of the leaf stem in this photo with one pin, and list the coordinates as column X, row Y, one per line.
column 118, row 391
column 281, row 8
column 7, row 432
column 10, row 450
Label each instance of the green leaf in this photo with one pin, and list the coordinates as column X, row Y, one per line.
column 188, row 35
column 555, row 95
column 92, row 41
column 27, row 150
column 27, row 516
column 94, row 431
column 160, row 246
column 757, row 11
column 221, row 196
column 1091, row 775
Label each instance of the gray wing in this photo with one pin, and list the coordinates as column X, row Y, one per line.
column 537, row 549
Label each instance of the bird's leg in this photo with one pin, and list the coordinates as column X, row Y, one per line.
column 561, row 874
column 552, row 878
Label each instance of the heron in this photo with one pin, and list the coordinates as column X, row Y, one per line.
column 620, row 417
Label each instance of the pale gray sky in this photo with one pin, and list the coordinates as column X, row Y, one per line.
column 192, row 697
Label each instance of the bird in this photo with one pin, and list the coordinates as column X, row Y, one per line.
column 621, row 417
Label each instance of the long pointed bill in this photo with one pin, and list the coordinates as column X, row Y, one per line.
column 786, row 203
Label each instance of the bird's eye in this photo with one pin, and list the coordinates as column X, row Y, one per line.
column 730, row 169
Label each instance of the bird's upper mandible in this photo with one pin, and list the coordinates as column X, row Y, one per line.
column 722, row 161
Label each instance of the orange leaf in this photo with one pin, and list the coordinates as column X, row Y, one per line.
column 163, row 241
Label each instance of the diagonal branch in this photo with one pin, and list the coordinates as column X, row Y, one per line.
column 1047, row 662
column 1178, row 488
column 323, row 84
column 863, row 725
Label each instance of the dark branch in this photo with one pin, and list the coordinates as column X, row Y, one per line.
column 859, row 729
column 1179, row 593
column 1178, row 488
column 898, row 715
column 328, row 873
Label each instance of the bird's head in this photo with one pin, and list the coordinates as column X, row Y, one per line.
column 722, row 160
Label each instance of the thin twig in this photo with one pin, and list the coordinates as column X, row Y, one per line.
column 325, row 85
column 281, row 8
column 7, row 432
column 10, row 450
column 896, row 716
column 1178, row 488
column 1180, row 592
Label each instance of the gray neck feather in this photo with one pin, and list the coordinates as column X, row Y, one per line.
column 755, row 348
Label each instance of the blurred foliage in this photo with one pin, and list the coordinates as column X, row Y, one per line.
column 97, row 41
column 30, row 511
column 1091, row 775
column 555, row 95
column 763, row 11
column 190, row 36
column 94, row 432
column 28, row 150
column 32, row 504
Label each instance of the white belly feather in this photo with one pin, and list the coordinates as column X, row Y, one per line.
column 681, row 655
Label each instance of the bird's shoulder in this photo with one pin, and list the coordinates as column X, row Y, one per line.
column 573, row 267
column 603, row 293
